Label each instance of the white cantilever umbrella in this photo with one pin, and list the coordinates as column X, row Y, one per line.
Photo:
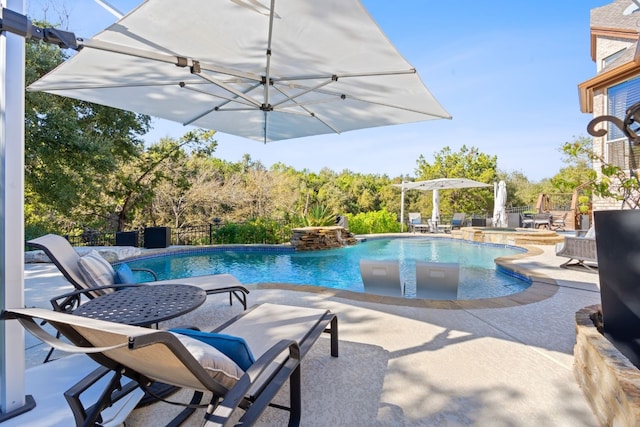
column 444, row 184
column 499, row 207
column 265, row 70
column 436, row 185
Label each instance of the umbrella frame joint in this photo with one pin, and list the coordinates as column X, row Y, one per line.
column 17, row 23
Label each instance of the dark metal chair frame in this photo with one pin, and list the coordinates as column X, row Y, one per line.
column 64, row 256
column 252, row 393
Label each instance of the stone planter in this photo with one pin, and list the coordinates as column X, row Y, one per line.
column 609, row 381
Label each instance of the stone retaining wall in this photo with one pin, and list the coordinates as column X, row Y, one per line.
column 610, row 382
column 318, row 238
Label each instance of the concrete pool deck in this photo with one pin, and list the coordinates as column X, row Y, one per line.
column 500, row 362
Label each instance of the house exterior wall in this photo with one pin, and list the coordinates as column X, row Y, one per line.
column 612, row 31
column 606, row 46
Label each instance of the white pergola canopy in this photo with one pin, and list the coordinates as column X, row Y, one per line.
column 258, row 69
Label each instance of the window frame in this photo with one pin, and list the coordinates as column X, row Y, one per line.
column 620, row 97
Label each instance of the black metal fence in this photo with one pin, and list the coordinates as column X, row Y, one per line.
column 92, row 238
column 209, row 234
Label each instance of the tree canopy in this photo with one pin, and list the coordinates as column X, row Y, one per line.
column 70, row 145
column 469, row 163
column 87, row 165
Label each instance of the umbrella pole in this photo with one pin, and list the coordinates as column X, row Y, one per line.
column 402, row 208
column 12, row 360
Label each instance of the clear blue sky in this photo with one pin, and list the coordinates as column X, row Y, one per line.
column 506, row 71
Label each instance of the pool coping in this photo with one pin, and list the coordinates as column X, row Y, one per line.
column 542, row 287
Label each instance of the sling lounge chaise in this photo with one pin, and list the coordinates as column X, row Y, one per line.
column 244, row 363
column 100, row 272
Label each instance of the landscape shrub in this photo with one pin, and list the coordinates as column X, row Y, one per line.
column 381, row 221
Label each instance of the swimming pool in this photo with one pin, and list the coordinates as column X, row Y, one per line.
column 339, row 268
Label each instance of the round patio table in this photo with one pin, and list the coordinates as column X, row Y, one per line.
column 144, row 305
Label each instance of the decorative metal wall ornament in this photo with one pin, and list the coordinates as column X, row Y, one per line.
column 629, row 126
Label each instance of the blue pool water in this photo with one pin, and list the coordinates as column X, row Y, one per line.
column 339, row 268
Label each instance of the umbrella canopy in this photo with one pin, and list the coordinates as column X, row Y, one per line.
column 499, row 207
column 443, row 183
column 436, row 185
column 258, row 69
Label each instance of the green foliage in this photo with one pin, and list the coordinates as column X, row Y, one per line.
column 613, row 181
column 469, row 163
column 377, row 222
column 579, row 170
column 134, row 185
column 255, row 231
column 320, row 216
column 520, row 191
column 31, row 231
column 72, row 146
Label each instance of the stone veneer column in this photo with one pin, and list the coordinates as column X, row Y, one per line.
column 609, row 381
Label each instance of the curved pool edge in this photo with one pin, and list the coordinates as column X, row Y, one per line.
column 542, row 287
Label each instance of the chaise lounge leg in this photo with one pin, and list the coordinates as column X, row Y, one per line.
column 333, row 330
column 188, row 411
column 112, row 392
column 295, row 396
column 241, row 296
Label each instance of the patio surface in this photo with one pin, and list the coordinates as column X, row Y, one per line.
column 498, row 362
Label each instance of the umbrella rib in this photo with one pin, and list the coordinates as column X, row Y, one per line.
column 218, row 107
column 345, row 96
column 307, row 90
column 309, row 112
column 399, row 107
column 346, row 75
column 228, row 88
column 113, row 86
column 179, row 61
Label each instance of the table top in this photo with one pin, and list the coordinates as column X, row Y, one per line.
column 144, row 305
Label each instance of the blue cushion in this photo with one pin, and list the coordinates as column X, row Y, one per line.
column 456, row 222
column 235, row 348
column 124, row 275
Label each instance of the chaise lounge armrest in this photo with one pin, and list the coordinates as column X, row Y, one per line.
column 259, row 373
column 279, row 336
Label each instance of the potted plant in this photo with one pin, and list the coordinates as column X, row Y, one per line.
column 583, row 208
